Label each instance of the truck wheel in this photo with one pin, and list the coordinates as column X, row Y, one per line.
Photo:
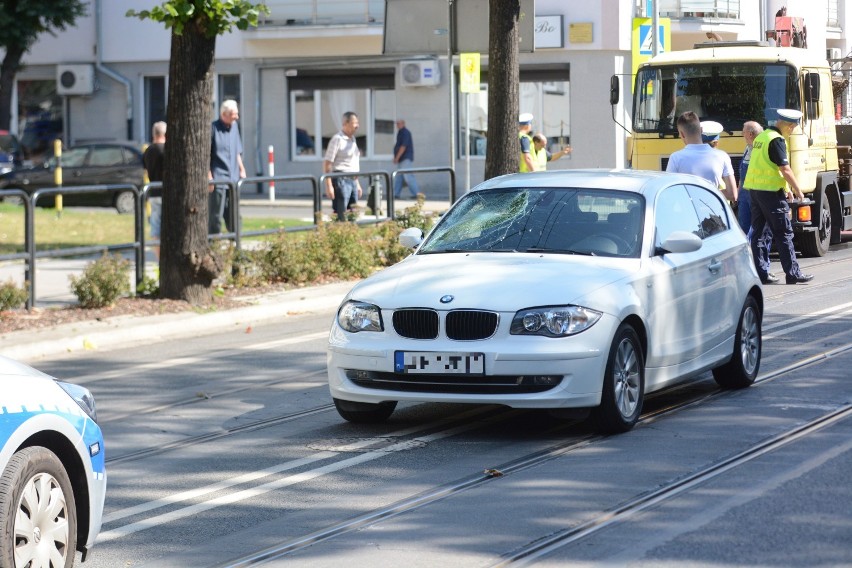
column 815, row 243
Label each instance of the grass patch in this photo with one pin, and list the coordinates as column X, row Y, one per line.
column 84, row 227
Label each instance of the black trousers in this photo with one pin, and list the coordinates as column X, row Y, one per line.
column 771, row 208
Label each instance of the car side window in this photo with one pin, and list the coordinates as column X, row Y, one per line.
column 74, row 158
column 106, row 157
column 674, row 212
column 710, row 210
column 130, row 157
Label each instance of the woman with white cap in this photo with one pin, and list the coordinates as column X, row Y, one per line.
column 768, row 174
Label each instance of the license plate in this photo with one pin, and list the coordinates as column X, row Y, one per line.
column 436, row 363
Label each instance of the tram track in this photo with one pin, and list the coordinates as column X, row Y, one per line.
column 533, row 551
column 555, row 451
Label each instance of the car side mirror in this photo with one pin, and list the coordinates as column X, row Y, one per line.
column 680, row 241
column 411, row 237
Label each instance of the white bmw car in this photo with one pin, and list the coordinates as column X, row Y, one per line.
column 52, row 475
column 571, row 289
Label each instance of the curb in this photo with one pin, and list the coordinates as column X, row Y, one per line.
column 127, row 331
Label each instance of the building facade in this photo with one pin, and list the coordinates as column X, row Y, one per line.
column 311, row 60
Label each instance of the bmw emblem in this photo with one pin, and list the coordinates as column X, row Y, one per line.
column 447, row 299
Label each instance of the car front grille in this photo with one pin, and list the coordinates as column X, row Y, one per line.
column 416, row 323
column 454, row 384
column 460, row 325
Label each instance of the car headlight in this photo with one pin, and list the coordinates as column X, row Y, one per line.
column 83, row 397
column 359, row 316
column 553, row 321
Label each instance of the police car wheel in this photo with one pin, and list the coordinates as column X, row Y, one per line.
column 38, row 517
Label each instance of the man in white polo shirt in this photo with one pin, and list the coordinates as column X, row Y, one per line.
column 697, row 158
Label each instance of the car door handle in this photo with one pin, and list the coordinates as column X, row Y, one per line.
column 714, row 266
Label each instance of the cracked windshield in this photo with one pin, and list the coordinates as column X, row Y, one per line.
column 555, row 220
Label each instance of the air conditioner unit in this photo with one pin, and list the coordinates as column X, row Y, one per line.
column 76, row 79
column 419, row 73
column 833, row 53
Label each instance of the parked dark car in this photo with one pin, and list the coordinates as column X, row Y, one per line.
column 85, row 164
column 10, row 152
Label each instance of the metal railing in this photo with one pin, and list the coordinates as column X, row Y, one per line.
column 266, row 179
column 138, row 245
column 402, row 171
column 31, row 254
column 323, row 12
column 699, row 8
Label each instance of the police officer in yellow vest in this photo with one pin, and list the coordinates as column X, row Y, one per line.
column 768, row 174
column 527, row 163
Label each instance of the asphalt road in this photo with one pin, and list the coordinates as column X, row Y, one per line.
column 224, row 446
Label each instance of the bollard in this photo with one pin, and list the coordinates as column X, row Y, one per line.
column 271, row 173
column 57, row 174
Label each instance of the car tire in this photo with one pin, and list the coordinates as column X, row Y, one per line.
column 623, row 385
column 741, row 370
column 36, row 501
column 364, row 412
column 125, row 202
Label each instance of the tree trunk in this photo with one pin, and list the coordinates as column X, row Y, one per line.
column 503, row 150
column 188, row 266
column 8, row 70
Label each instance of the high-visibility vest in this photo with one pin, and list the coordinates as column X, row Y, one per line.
column 522, row 162
column 539, row 159
column 763, row 174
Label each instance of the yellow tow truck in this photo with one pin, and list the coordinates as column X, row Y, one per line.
column 731, row 83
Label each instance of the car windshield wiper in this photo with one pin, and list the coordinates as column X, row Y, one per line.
column 559, row 251
column 439, row 251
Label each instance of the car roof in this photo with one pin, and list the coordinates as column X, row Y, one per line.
column 636, row 181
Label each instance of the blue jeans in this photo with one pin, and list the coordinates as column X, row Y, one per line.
column 344, row 189
column 409, row 179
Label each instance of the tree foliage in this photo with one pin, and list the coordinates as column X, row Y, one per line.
column 503, row 152
column 21, row 22
column 188, row 265
column 210, row 17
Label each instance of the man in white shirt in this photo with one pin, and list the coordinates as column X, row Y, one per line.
column 697, row 158
column 343, row 155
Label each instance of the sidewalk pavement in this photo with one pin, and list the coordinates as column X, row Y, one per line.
column 127, row 331
column 53, row 290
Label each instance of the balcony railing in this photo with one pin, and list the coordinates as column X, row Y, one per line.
column 833, row 20
column 323, row 12
column 678, row 9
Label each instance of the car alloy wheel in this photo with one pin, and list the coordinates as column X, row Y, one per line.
column 741, row 370
column 623, row 384
column 38, row 519
column 125, row 202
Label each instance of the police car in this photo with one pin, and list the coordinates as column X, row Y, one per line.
column 52, row 474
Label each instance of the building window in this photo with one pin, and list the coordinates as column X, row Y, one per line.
column 548, row 101
column 317, row 115
column 229, row 88
column 155, row 103
column 39, row 118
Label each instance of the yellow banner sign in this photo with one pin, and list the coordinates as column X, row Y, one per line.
column 469, row 72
